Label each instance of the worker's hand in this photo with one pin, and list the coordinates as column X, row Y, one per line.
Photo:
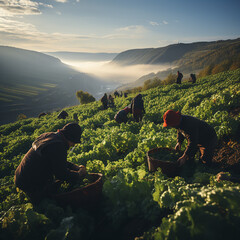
column 178, row 146
column 222, row 176
column 182, row 160
column 82, row 171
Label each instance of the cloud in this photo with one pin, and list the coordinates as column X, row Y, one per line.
column 128, row 32
column 157, row 24
column 21, row 34
column 45, row 5
column 14, row 32
column 154, row 23
column 61, row 1
column 20, row 7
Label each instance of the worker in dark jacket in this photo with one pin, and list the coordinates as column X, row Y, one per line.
column 192, row 78
column 121, row 116
column 62, row 115
column 137, row 108
column 179, row 77
column 46, row 161
column 110, row 101
column 104, row 101
column 198, row 133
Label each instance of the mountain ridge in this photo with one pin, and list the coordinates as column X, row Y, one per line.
column 169, row 54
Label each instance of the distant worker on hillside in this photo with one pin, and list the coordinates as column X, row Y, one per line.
column 116, row 94
column 46, row 160
column 110, row 101
column 104, row 101
column 192, row 78
column 42, row 114
column 137, row 108
column 198, row 133
column 121, row 116
column 62, row 115
column 75, row 117
column 179, row 77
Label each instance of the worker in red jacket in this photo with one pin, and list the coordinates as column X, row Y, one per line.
column 198, row 133
column 46, row 161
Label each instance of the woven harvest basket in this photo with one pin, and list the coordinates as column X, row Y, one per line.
column 85, row 197
column 168, row 167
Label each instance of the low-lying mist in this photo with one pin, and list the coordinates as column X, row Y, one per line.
column 115, row 73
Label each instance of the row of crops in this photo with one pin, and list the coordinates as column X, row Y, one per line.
column 135, row 203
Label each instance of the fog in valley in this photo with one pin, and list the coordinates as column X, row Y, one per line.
column 115, row 74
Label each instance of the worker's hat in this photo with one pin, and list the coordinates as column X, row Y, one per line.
column 171, row 118
column 72, row 132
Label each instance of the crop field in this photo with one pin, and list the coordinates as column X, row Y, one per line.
column 22, row 91
column 135, row 204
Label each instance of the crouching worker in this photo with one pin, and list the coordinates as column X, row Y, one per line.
column 121, row 116
column 46, row 162
column 198, row 133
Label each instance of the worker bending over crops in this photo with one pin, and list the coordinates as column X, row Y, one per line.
column 198, row 133
column 121, row 116
column 46, row 161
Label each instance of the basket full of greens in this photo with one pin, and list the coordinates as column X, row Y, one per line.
column 85, row 193
column 165, row 158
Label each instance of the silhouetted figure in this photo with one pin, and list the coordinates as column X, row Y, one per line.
column 121, row 116
column 41, row 114
column 137, row 108
column 125, row 94
column 104, row 101
column 199, row 134
column 192, row 78
column 110, row 101
column 75, row 117
column 116, row 94
column 46, row 162
column 179, row 77
column 62, row 115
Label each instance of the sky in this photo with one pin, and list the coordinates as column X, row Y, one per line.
column 115, row 25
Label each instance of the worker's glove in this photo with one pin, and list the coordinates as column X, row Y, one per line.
column 223, row 176
column 82, row 171
column 178, row 146
column 182, row 160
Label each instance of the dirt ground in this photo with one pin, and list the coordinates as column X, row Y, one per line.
column 227, row 155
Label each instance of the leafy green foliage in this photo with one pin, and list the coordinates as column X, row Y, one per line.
column 84, row 97
column 183, row 206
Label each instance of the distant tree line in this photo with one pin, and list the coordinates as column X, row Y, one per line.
column 152, row 83
column 84, row 97
column 226, row 65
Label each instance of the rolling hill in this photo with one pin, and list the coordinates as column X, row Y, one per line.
column 187, row 58
column 32, row 82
